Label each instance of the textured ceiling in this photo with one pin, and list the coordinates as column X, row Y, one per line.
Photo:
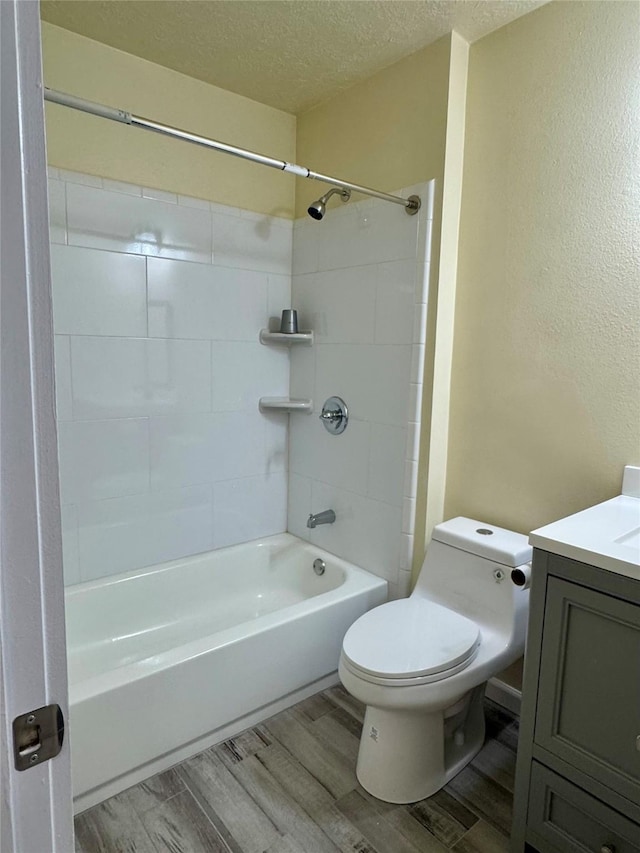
column 290, row 54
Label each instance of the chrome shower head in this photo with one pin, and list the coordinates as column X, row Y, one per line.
column 318, row 209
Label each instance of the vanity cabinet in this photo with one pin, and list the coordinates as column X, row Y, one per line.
column 578, row 772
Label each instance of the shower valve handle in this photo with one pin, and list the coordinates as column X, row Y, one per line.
column 335, row 415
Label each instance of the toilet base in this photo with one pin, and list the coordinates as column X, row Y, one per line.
column 406, row 756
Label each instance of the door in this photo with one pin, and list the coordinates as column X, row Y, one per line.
column 35, row 804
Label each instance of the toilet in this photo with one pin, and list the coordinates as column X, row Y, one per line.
column 420, row 665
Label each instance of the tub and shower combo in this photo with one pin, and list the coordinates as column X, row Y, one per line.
column 167, row 660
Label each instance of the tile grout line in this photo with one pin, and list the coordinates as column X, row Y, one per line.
column 297, row 802
column 142, row 823
column 194, row 796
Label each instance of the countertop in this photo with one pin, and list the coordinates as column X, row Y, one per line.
column 606, row 535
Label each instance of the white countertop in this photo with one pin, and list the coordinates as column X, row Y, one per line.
column 606, row 535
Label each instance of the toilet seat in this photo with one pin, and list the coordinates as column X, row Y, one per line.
column 410, row 641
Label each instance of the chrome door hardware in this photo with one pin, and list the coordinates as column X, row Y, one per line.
column 335, row 415
column 37, row 736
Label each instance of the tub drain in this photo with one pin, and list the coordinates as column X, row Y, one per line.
column 319, row 566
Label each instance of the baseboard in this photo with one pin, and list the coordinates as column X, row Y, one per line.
column 504, row 694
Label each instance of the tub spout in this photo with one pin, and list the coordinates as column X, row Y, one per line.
column 328, row 516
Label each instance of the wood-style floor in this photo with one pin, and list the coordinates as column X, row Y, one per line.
column 289, row 786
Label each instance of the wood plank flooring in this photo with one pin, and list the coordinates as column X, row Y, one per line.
column 289, row 786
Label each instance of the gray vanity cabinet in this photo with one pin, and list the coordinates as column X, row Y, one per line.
column 578, row 773
column 589, row 688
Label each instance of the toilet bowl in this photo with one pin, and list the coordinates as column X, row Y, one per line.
column 420, row 665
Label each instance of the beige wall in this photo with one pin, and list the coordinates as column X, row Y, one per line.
column 546, row 377
column 387, row 131
column 88, row 144
column 441, row 314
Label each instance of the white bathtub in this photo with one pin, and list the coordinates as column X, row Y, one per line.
column 166, row 661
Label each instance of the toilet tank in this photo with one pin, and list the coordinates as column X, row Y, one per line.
column 468, row 568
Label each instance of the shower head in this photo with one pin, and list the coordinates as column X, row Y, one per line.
column 318, row 209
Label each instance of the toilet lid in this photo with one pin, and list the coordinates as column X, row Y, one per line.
column 410, row 638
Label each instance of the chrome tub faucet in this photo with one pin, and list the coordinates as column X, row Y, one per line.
column 328, row 516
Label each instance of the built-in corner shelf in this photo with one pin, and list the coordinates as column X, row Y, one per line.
column 285, row 339
column 285, row 405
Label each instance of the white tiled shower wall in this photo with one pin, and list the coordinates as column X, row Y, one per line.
column 158, row 301
column 360, row 282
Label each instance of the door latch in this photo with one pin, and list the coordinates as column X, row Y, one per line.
column 37, row 736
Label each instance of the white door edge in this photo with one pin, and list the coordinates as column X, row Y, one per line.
column 35, row 804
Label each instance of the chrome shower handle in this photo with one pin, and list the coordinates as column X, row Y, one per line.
column 335, row 415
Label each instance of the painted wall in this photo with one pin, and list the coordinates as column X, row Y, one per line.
column 546, row 377
column 386, row 132
column 83, row 67
column 157, row 306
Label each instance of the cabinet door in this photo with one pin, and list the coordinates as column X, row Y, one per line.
column 565, row 819
column 589, row 692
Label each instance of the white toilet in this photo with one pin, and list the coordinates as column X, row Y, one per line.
column 421, row 664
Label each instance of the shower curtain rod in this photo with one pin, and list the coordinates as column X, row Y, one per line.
column 411, row 205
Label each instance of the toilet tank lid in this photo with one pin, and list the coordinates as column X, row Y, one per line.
column 484, row 540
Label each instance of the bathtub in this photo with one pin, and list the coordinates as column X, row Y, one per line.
column 168, row 660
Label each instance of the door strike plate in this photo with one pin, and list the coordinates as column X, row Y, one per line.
column 37, row 736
